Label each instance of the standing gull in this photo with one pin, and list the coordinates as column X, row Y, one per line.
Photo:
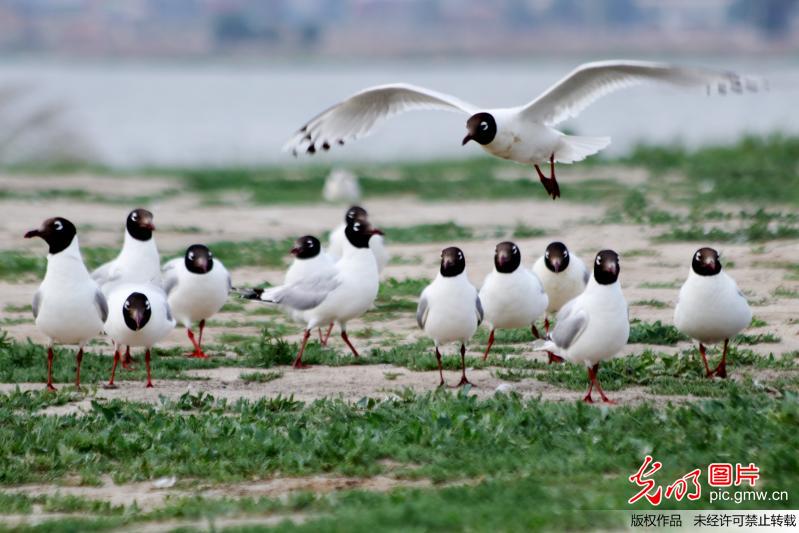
column 710, row 307
column 449, row 308
column 512, row 297
column 525, row 133
column 68, row 307
column 197, row 286
column 594, row 326
column 138, row 315
column 563, row 276
column 339, row 294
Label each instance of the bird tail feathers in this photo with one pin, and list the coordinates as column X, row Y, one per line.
column 576, row 148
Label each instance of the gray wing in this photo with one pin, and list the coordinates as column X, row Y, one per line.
column 37, row 300
column 304, row 294
column 421, row 311
column 358, row 115
column 102, row 273
column 229, row 284
column 170, row 276
column 101, row 304
column 571, row 322
column 479, row 310
column 591, row 81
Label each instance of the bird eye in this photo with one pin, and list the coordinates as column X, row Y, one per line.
column 191, row 256
column 484, row 125
column 565, row 253
column 134, row 216
column 127, row 304
column 147, row 304
column 546, row 254
column 58, row 225
column 598, row 260
column 210, row 255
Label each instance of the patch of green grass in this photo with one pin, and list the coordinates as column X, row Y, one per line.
column 523, row 231
column 656, row 304
column 758, row 338
column 265, row 252
column 755, row 169
column 757, row 322
column 446, row 434
column 785, row 292
column 425, row 233
column 654, row 333
column 661, row 284
column 11, row 308
column 261, row 377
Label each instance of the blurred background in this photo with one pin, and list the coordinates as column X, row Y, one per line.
column 225, row 82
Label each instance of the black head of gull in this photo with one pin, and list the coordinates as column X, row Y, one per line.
column 136, row 311
column 354, row 213
column 507, row 257
column 198, row 259
column 453, row 262
column 556, row 257
column 57, row 233
column 606, row 267
column 306, row 247
column 481, row 128
column 140, row 224
column 706, row 262
column 359, row 233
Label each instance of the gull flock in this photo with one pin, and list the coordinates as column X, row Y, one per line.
column 136, row 302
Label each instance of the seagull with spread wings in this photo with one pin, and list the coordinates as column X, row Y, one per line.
column 524, row 134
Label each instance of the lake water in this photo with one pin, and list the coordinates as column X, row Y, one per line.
column 193, row 114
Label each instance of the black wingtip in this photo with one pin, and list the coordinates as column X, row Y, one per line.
column 249, row 294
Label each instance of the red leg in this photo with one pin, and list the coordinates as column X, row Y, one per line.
column 440, row 368
column 78, row 360
column 490, row 343
column 110, row 384
column 598, row 387
column 327, row 335
column 147, row 362
column 128, row 360
column 554, row 358
column 721, row 370
column 198, row 352
column 587, row 398
column 347, row 340
column 200, row 339
column 708, row 373
column 298, row 364
column 321, row 337
column 50, row 386
column 463, row 380
column 550, row 183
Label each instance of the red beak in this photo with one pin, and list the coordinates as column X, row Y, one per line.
column 295, row 251
column 33, row 233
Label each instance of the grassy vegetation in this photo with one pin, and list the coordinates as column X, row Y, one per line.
column 442, row 436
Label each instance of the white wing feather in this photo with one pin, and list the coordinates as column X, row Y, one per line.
column 591, row 81
column 357, row 116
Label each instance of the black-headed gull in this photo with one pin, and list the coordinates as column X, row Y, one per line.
column 338, row 240
column 68, row 306
column 563, row 276
column 449, row 308
column 138, row 261
column 594, row 326
column 339, row 294
column 512, row 296
column 138, row 315
column 524, row 134
column 197, row 286
column 710, row 307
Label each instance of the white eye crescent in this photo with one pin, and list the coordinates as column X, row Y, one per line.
column 546, row 255
column 127, row 305
column 147, row 304
column 191, row 256
column 58, row 225
column 484, row 126
column 598, row 260
column 134, row 217
column 565, row 253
